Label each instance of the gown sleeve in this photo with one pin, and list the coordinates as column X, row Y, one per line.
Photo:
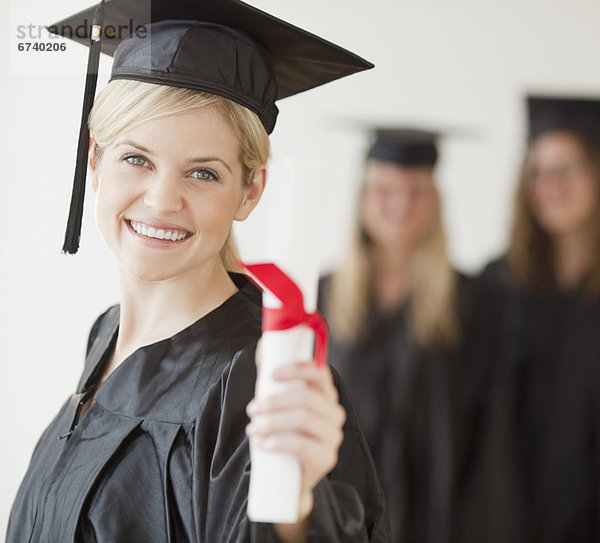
column 491, row 507
column 348, row 503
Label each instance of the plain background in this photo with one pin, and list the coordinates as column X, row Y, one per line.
column 458, row 64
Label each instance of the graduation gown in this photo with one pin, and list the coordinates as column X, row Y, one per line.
column 161, row 454
column 546, row 430
column 420, row 410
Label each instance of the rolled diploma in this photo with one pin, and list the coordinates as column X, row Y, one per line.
column 292, row 234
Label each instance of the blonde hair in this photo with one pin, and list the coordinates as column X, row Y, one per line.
column 432, row 316
column 530, row 255
column 125, row 104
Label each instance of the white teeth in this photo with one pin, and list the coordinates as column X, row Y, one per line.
column 151, row 232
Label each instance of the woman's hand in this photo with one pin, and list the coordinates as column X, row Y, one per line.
column 305, row 421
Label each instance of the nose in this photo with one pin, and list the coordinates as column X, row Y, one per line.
column 399, row 201
column 550, row 178
column 550, row 184
column 163, row 193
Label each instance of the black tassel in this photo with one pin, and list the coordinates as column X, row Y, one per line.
column 73, row 232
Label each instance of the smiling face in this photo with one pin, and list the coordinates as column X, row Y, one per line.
column 168, row 191
column 560, row 184
column 399, row 204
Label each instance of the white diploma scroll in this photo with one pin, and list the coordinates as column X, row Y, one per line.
column 292, row 244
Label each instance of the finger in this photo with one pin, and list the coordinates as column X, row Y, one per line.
column 298, row 397
column 320, row 378
column 300, row 421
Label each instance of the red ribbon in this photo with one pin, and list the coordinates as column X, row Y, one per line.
column 292, row 312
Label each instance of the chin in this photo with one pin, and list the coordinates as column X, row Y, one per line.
column 555, row 225
column 407, row 237
column 399, row 243
column 149, row 271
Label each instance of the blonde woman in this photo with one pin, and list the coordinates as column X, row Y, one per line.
column 397, row 312
column 550, row 277
column 154, row 445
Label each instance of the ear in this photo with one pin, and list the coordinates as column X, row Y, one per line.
column 93, row 163
column 252, row 194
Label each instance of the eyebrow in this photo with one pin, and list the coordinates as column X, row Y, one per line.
column 133, row 144
column 209, row 159
column 200, row 160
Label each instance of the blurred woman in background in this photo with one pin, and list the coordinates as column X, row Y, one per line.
column 548, row 400
column 399, row 315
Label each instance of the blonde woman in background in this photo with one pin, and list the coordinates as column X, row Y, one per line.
column 399, row 315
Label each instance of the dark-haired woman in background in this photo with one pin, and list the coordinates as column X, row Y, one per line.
column 547, row 412
column 399, row 315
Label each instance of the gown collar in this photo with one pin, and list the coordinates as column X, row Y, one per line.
column 174, row 361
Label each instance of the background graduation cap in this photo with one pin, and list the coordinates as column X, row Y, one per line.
column 405, row 142
column 578, row 115
column 221, row 46
column 405, row 146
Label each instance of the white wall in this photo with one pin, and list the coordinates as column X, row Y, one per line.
column 458, row 63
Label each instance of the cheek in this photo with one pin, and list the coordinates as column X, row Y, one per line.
column 215, row 212
column 370, row 211
column 532, row 193
column 540, row 196
column 583, row 205
column 563, row 209
column 109, row 196
column 104, row 213
column 112, row 200
column 570, row 196
column 424, row 209
column 583, row 192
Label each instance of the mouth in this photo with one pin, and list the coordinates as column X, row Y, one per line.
column 165, row 233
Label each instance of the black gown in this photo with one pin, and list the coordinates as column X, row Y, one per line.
column 546, row 430
column 420, row 410
column 161, row 454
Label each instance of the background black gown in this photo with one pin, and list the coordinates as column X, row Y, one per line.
column 546, row 430
column 421, row 411
column 162, row 456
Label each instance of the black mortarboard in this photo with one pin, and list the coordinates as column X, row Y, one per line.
column 550, row 113
column 405, row 146
column 225, row 47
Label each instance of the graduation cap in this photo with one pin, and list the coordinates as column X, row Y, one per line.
column 405, row 146
column 550, row 113
column 224, row 47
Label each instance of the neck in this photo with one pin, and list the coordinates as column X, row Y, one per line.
column 391, row 277
column 571, row 258
column 155, row 310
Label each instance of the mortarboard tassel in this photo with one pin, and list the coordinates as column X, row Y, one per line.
column 73, row 232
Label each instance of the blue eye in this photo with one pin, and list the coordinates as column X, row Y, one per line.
column 136, row 160
column 204, row 174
